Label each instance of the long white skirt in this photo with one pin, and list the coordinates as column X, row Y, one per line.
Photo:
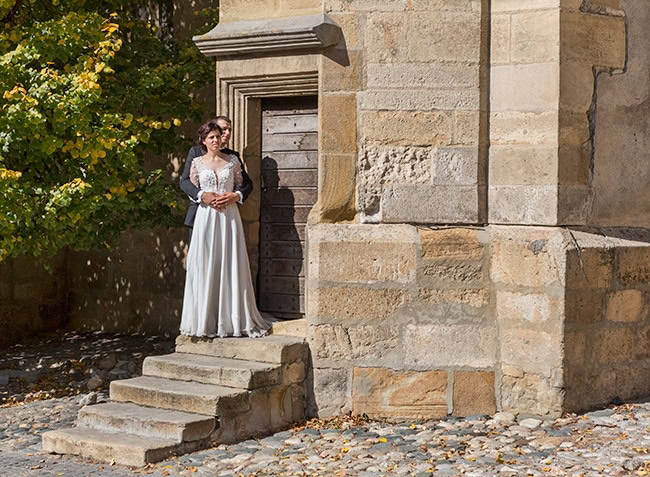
column 219, row 297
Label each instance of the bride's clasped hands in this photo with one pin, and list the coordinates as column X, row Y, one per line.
column 219, row 201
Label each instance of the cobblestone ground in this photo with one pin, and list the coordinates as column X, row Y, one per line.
column 613, row 441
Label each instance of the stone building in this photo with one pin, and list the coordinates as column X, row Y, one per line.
column 455, row 194
column 479, row 236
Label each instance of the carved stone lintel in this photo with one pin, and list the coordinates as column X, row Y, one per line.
column 269, row 36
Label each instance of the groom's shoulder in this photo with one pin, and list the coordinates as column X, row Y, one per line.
column 195, row 151
column 230, row 151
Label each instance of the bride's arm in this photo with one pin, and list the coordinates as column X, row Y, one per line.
column 239, row 180
column 246, row 186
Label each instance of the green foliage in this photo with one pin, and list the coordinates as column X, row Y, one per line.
column 88, row 89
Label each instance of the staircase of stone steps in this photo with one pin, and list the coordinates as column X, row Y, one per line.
column 210, row 391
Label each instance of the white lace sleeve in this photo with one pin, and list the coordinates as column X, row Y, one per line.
column 239, row 179
column 194, row 174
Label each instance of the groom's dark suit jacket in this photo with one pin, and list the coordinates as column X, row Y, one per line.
column 192, row 191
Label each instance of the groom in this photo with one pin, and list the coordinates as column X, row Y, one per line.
column 196, row 195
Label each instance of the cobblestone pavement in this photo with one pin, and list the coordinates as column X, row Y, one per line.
column 605, row 442
column 613, row 441
column 62, row 364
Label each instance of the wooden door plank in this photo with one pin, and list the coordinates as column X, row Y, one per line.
column 282, row 303
column 296, row 123
column 282, row 267
column 289, row 249
column 289, row 178
column 295, row 103
column 289, row 160
column 285, row 214
column 288, row 232
column 283, row 285
column 293, row 196
column 290, row 142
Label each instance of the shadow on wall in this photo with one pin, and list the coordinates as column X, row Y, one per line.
column 136, row 288
column 607, row 317
column 31, row 299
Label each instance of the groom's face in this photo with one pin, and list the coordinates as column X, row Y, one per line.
column 227, row 130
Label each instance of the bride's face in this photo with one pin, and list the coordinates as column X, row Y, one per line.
column 213, row 141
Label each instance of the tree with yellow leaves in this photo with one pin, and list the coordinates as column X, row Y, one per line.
column 86, row 90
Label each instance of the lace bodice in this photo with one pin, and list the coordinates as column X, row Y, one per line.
column 220, row 181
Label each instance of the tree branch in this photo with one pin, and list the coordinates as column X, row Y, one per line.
column 9, row 17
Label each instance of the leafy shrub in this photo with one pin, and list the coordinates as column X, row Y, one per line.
column 88, row 89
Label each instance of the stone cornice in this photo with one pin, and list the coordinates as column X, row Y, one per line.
column 269, row 36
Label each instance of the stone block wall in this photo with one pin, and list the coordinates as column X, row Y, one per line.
column 621, row 176
column 262, row 9
column 136, row 288
column 568, row 87
column 527, row 271
column 400, row 322
column 607, row 332
column 594, row 45
column 31, row 299
column 424, row 322
column 409, row 85
column 574, row 314
column 390, row 309
column 524, row 116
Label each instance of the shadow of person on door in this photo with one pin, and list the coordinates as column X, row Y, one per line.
column 281, row 274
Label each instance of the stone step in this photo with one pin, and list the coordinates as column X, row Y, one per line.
column 210, row 370
column 147, row 422
column 120, row 448
column 296, row 328
column 185, row 396
column 275, row 349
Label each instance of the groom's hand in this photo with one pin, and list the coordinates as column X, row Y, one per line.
column 208, row 197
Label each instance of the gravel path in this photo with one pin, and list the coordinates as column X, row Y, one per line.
column 612, row 441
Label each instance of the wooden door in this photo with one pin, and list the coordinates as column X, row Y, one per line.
column 289, row 190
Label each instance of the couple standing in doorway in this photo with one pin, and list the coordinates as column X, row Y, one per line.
column 219, row 299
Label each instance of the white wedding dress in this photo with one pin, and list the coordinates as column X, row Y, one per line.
column 219, row 299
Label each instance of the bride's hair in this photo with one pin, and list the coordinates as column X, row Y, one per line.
column 205, row 129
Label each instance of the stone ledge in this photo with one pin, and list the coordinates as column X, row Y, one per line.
column 265, row 36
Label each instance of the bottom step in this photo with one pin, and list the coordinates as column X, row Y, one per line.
column 124, row 449
column 143, row 421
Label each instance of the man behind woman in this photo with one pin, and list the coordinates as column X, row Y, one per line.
column 219, row 298
column 194, row 193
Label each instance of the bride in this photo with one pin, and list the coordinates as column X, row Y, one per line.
column 219, row 298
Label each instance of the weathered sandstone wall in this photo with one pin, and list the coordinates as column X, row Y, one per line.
column 400, row 320
column 32, row 299
column 421, row 322
column 264, row 9
column 136, row 288
column 621, row 102
column 607, row 309
column 402, row 103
